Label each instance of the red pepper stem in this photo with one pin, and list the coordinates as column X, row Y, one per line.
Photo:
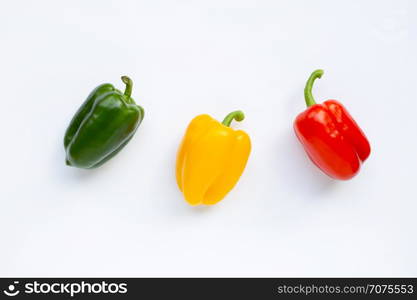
column 237, row 115
column 309, row 86
column 129, row 86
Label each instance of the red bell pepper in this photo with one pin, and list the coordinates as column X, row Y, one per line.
column 330, row 136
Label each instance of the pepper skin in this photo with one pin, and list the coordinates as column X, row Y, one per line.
column 330, row 136
column 211, row 158
column 102, row 126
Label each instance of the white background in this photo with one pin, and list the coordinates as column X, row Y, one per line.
column 284, row 217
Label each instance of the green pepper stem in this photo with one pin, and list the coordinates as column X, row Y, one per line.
column 129, row 86
column 309, row 86
column 237, row 115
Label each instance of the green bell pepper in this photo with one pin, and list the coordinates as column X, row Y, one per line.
column 102, row 126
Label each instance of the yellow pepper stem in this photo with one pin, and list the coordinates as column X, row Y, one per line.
column 237, row 115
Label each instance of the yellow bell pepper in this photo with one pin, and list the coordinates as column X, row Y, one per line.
column 211, row 158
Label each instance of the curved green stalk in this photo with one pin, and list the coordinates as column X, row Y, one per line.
column 129, row 86
column 309, row 86
column 237, row 115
